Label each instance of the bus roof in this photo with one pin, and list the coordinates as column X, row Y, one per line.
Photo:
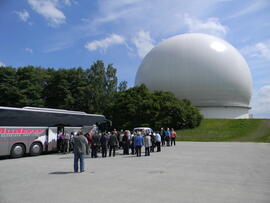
column 35, row 116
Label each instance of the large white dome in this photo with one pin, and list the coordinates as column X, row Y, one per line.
column 203, row 68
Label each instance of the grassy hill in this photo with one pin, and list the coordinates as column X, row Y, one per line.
column 218, row 130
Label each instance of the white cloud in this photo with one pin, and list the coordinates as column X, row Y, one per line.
column 259, row 50
column 261, row 102
column 129, row 16
column 250, row 8
column 48, row 9
column 57, row 46
column 210, row 26
column 103, row 44
column 2, row 64
column 157, row 16
column 143, row 43
column 23, row 15
column 29, row 50
column 108, row 18
column 67, row 2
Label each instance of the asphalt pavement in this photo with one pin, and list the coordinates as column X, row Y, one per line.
column 188, row 172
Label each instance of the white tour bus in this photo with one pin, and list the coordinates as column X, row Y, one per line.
column 32, row 130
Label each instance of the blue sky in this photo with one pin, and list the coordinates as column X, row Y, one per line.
column 75, row 33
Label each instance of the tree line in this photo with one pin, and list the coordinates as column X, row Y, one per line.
column 95, row 90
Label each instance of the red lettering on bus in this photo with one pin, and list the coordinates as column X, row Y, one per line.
column 2, row 130
column 16, row 131
column 21, row 131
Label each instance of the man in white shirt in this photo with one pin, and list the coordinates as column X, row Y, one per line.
column 158, row 141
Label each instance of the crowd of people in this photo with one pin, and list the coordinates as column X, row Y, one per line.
column 108, row 143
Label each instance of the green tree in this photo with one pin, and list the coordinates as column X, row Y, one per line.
column 122, row 86
column 30, row 82
column 111, row 82
column 97, row 85
column 139, row 107
column 10, row 94
column 57, row 90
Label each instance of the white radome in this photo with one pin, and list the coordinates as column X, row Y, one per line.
column 202, row 68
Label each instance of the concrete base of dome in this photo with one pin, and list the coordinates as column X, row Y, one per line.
column 225, row 112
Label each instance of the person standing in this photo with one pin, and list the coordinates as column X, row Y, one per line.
column 79, row 150
column 66, row 142
column 125, row 143
column 162, row 134
column 71, row 143
column 132, row 147
column 158, row 141
column 121, row 135
column 89, row 139
column 60, row 141
column 167, row 136
column 138, row 142
column 153, row 141
column 147, row 144
column 104, row 143
column 113, row 143
column 95, row 145
column 173, row 137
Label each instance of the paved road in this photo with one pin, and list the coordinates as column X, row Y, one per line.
column 189, row 172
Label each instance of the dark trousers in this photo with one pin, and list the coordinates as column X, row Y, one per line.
column 126, row 148
column 104, row 150
column 65, row 145
column 163, row 141
column 132, row 149
column 60, row 145
column 147, row 151
column 167, row 138
column 173, row 140
column 71, row 146
column 153, row 147
column 158, row 146
column 138, row 150
column 120, row 144
column 87, row 149
column 112, row 148
column 94, row 151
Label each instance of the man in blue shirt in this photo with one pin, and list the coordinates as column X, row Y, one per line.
column 138, row 143
column 167, row 136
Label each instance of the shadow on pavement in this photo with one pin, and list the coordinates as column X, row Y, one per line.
column 66, row 157
column 60, row 172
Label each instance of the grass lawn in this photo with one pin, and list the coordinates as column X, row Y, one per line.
column 236, row 130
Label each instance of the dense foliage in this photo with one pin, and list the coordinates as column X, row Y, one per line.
column 95, row 90
column 139, row 107
column 80, row 89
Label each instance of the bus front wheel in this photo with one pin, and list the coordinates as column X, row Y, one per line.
column 17, row 151
column 35, row 149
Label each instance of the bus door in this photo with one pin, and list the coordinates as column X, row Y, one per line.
column 4, row 142
column 52, row 139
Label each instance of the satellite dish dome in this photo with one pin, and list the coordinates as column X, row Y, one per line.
column 202, row 68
